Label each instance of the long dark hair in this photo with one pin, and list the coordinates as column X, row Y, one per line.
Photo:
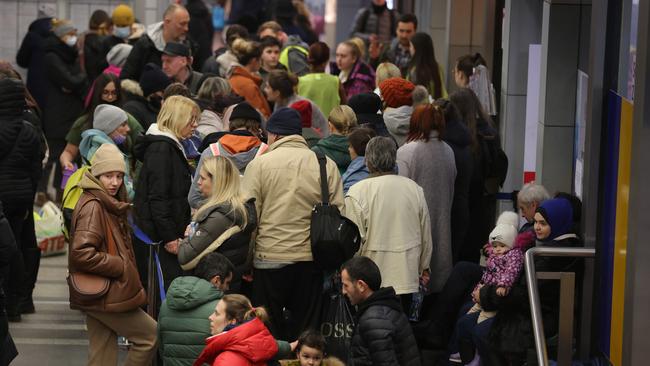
column 471, row 111
column 98, row 89
column 467, row 63
column 425, row 65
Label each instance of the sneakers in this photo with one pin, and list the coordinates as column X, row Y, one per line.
column 454, row 359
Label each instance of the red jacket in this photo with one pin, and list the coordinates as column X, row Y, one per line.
column 249, row 344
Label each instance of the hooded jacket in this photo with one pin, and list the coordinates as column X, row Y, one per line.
column 336, row 148
column 20, row 147
column 357, row 171
column 31, row 56
column 383, row 335
column 161, row 207
column 148, row 48
column 249, row 344
column 66, row 86
column 398, row 122
column 248, row 86
column 88, row 251
column 241, row 147
column 142, row 110
column 183, row 323
column 219, row 229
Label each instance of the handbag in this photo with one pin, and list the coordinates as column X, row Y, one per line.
column 86, row 287
column 334, row 238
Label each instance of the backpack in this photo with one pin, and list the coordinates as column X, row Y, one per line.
column 496, row 162
column 71, row 194
column 334, row 238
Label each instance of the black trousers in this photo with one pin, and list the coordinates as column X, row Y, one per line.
column 24, row 266
column 292, row 295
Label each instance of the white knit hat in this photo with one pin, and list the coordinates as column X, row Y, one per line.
column 505, row 230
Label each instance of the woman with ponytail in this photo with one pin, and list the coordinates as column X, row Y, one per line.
column 342, row 120
column 239, row 335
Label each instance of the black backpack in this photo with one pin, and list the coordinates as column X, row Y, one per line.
column 496, row 163
column 334, row 238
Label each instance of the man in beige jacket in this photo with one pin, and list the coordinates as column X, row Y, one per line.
column 393, row 221
column 285, row 183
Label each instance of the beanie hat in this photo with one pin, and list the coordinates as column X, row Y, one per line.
column 123, row 16
column 108, row 158
column 505, row 230
column 558, row 213
column 118, row 54
column 245, row 111
column 153, row 79
column 107, row 118
column 62, row 28
column 397, row 92
column 284, row 122
column 304, row 108
column 365, row 103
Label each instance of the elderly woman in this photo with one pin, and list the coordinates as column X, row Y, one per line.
column 400, row 243
column 161, row 206
column 529, row 198
column 429, row 161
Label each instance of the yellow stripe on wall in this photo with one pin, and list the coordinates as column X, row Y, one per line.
column 620, row 237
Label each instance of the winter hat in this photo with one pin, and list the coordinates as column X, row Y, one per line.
column 107, row 118
column 62, row 27
column 304, row 108
column 505, row 230
column 123, row 16
column 153, row 79
column 108, row 158
column 365, row 103
column 118, row 54
column 245, row 111
column 397, row 92
column 284, row 122
column 558, row 213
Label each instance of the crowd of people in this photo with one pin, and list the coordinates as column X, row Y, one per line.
column 212, row 156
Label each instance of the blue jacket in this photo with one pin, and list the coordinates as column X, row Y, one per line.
column 357, row 170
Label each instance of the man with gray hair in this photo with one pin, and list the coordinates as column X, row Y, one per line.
column 529, row 198
column 393, row 220
column 150, row 47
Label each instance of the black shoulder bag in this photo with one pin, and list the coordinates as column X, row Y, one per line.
column 334, row 238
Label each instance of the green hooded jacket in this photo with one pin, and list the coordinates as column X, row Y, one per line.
column 336, row 148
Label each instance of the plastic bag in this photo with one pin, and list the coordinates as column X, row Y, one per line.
column 47, row 226
column 337, row 323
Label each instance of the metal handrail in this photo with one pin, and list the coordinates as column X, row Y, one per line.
column 533, row 293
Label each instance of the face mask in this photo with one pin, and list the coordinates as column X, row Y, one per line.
column 71, row 41
column 119, row 139
column 122, row 32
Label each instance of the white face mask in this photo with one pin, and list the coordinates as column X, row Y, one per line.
column 122, row 32
column 71, row 41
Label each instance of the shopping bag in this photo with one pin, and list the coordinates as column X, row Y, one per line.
column 47, row 226
column 337, row 324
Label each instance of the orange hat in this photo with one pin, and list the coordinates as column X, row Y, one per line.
column 397, row 92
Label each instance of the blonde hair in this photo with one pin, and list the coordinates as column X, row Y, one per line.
column 361, row 47
column 240, row 309
column 386, row 70
column 343, row 118
column 176, row 113
column 226, row 187
column 245, row 50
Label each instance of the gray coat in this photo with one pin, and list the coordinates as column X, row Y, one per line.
column 432, row 166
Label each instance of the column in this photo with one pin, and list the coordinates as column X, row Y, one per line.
column 522, row 26
column 560, row 54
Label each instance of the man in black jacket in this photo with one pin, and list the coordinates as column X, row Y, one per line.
column 150, row 46
column 382, row 335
